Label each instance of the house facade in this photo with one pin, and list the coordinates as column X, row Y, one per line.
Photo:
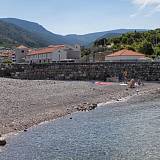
column 54, row 53
column 20, row 54
column 126, row 55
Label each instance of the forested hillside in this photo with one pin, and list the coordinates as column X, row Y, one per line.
column 12, row 35
column 145, row 42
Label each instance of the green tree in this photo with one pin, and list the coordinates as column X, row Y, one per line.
column 146, row 48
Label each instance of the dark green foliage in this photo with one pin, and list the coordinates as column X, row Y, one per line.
column 146, row 47
column 85, row 51
column 147, row 42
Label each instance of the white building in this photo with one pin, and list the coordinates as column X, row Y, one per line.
column 54, row 53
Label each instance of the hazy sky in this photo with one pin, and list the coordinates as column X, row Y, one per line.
column 85, row 16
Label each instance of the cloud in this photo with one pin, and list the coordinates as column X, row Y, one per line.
column 151, row 6
column 144, row 3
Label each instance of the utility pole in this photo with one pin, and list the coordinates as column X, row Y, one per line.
column 104, row 42
column 94, row 55
column 156, row 44
column 59, row 57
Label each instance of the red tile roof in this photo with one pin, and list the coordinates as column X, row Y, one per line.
column 125, row 52
column 6, row 53
column 49, row 49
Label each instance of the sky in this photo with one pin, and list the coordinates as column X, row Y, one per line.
column 85, row 16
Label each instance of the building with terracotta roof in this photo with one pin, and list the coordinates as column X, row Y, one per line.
column 6, row 55
column 54, row 53
column 126, row 55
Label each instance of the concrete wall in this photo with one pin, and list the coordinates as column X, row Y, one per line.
column 20, row 54
column 148, row 71
column 73, row 54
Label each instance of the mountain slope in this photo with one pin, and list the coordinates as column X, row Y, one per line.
column 42, row 36
column 52, row 38
column 12, row 35
column 86, row 38
column 35, row 28
column 92, row 37
column 119, row 32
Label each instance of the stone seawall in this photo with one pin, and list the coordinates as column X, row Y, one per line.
column 148, row 71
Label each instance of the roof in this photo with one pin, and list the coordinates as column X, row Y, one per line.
column 6, row 53
column 125, row 52
column 22, row 47
column 49, row 49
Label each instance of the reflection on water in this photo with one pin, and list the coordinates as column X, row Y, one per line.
column 126, row 132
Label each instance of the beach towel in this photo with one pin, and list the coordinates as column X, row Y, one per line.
column 103, row 83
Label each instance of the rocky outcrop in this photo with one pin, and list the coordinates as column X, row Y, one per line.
column 86, row 107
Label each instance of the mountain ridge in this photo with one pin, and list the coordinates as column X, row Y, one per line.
column 51, row 38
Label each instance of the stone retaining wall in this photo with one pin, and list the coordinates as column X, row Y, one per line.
column 148, row 71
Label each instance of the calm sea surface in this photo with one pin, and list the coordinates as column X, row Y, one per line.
column 107, row 133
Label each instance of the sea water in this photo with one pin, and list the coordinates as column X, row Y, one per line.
column 107, row 133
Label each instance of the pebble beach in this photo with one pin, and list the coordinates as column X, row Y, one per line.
column 25, row 103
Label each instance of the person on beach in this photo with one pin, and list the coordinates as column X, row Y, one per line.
column 125, row 75
column 120, row 77
column 131, row 83
column 140, row 83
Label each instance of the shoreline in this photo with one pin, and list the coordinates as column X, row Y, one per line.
column 103, row 104
column 53, row 114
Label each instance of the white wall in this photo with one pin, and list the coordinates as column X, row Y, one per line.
column 123, row 58
column 48, row 57
column 60, row 55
